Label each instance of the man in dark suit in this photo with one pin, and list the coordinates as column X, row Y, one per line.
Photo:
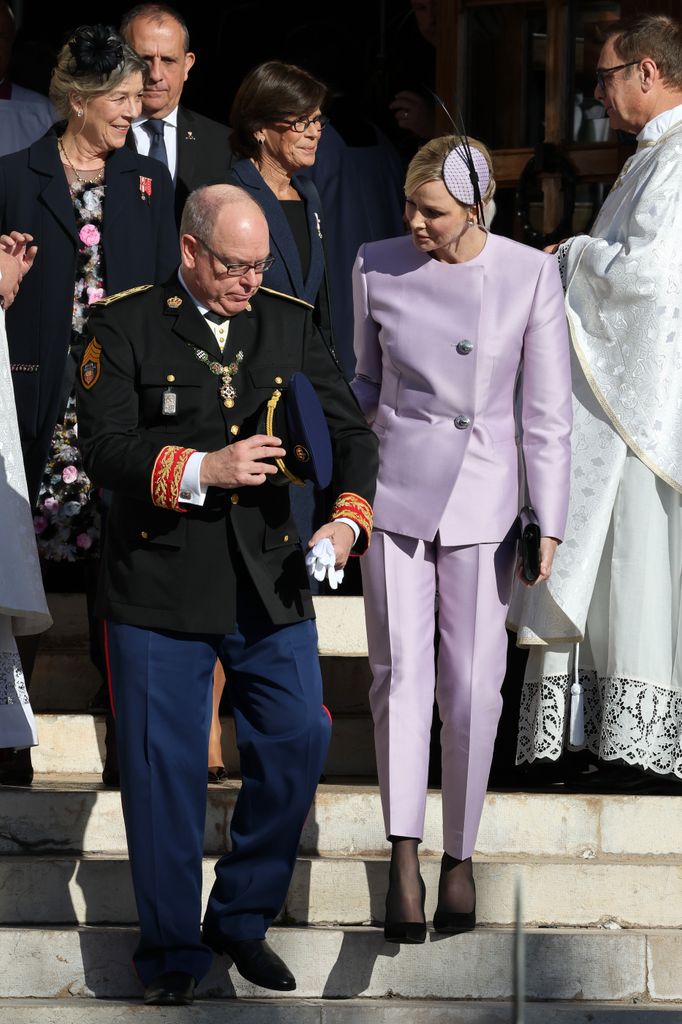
column 202, row 559
column 195, row 149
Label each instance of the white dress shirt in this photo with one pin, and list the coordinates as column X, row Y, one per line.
column 170, row 138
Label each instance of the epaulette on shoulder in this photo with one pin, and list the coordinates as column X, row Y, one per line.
column 283, row 295
column 108, row 299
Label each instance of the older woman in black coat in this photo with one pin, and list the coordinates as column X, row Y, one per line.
column 50, row 190
column 102, row 218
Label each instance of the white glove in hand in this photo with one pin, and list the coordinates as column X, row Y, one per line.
column 320, row 563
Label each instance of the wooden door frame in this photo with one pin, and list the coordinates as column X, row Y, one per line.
column 592, row 162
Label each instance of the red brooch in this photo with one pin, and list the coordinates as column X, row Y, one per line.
column 145, row 187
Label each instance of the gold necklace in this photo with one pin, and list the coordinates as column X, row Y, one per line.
column 82, row 181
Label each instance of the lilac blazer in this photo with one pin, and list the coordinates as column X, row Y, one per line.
column 439, row 350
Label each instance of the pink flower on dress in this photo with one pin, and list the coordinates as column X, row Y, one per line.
column 95, row 294
column 51, row 504
column 39, row 524
column 84, row 541
column 69, row 474
column 89, row 234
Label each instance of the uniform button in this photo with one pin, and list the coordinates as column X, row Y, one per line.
column 170, row 378
column 285, row 538
column 234, row 498
column 464, row 347
column 278, row 380
column 144, row 535
column 462, row 422
column 234, row 429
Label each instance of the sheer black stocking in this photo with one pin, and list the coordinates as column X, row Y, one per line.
column 456, row 889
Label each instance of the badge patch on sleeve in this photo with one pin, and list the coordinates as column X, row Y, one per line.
column 90, row 365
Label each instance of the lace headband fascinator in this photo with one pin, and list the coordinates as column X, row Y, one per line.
column 96, row 50
column 466, row 174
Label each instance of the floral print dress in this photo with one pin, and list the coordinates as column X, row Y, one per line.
column 67, row 520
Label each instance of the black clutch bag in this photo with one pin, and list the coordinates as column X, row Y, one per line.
column 529, row 543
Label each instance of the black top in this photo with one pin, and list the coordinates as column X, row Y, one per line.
column 294, row 211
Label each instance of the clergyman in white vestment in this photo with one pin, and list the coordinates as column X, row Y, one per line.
column 605, row 663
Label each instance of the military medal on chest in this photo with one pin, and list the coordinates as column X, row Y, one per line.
column 227, row 374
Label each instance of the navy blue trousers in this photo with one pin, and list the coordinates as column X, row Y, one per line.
column 162, row 688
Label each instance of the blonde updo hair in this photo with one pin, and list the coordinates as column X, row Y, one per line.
column 427, row 164
column 94, row 61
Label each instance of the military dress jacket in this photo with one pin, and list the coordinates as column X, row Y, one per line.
column 171, row 565
column 139, row 244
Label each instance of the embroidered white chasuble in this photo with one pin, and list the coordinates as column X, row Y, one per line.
column 624, row 531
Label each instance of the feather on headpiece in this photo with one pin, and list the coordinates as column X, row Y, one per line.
column 466, row 174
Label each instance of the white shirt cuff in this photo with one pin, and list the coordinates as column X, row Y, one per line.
column 349, row 522
column 191, row 491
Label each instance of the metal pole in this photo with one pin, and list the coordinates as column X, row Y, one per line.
column 519, row 956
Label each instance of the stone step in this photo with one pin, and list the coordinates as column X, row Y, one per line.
column 75, row 743
column 334, row 963
column 340, row 625
column 67, row 681
column 330, row 1011
column 61, row 814
column 59, row 890
column 64, row 678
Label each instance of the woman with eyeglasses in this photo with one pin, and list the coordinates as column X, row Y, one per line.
column 276, row 123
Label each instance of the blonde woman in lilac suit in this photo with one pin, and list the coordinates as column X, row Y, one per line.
column 454, row 329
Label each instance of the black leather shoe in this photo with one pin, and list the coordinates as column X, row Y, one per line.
column 111, row 778
column 172, row 988
column 409, row 932
column 218, row 775
column 16, row 768
column 255, row 960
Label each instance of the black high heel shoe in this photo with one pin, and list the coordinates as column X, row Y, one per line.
column 449, row 922
column 409, row 932
column 453, row 922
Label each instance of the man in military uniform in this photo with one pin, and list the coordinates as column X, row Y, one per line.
column 202, row 560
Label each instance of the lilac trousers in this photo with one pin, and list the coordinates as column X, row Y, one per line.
column 401, row 578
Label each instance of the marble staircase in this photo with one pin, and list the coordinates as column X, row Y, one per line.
column 602, row 882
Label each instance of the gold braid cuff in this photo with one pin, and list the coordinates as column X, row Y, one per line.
column 352, row 506
column 167, row 474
